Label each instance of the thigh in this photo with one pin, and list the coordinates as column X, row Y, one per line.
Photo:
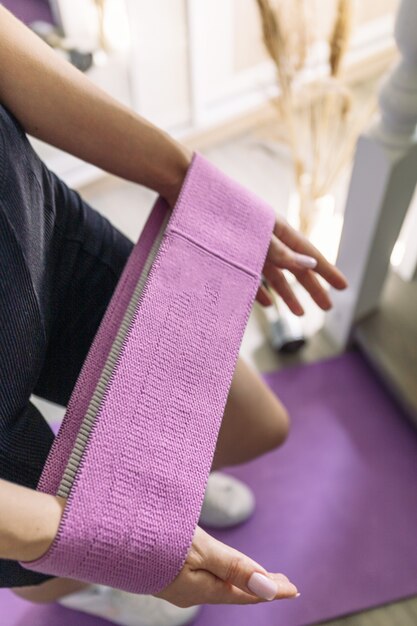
column 90, row 254
column 254, row 421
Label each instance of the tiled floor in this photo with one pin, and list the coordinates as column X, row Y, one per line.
column 250, row 160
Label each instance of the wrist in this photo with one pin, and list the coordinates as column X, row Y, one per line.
column 171, row 184
column 43, row 527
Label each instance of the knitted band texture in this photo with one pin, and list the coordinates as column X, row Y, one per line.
column 137, row 442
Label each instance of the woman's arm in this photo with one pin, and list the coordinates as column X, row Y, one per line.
column 213, row 572
column 29, row 521
column 56, row 103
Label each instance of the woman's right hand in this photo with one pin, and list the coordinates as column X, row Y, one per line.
column 214, row 573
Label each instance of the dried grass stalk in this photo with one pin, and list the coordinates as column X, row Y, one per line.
column 101, row 9
column 277, row 45
column 340, row 35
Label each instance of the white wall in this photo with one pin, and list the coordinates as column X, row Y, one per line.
column 159, row 65
column 192, row 65
column 198, row 63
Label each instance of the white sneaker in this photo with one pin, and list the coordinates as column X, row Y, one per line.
column 227, row 501
column 128, row 609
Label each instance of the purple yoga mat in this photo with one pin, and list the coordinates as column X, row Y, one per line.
column 336, row 505
column 30, row 10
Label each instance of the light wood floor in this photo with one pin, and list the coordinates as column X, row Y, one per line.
column 249, row 159
column 397, row 614
column 389, row 338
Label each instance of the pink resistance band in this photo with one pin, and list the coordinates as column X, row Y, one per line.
column 135, row 449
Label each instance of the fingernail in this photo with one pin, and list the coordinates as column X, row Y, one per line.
column 305, row 261
column 262, row 586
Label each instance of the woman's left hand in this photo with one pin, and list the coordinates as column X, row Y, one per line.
column 290, row 250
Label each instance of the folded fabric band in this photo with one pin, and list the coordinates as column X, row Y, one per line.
column 135, row 449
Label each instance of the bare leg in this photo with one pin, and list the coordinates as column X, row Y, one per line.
column 254, row 420
column 50, row 591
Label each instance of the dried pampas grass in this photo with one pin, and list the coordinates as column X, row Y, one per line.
column 340, row 35
column 321, row 120
column 287, row 64
column 101, row 10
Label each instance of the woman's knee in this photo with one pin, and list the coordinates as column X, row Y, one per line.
column 280, row 424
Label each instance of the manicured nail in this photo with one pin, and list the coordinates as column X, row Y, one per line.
column 305, row 261
column 262, row 586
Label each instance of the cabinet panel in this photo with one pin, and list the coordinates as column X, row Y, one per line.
column 159, row 67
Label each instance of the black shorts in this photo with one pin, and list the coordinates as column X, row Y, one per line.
column 59, row 263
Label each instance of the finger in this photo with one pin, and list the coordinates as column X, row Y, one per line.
column 263, row 296
column 233, row 567
column 214, row 590
column 318, row 293
column 297, row 242
column 217, row 591
column 278, row 281
column 282, row 256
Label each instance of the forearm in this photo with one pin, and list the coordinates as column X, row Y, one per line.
column 58, row 104
column 29, row 521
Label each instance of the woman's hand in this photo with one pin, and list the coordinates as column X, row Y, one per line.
column 214, row 573
column 290, row 250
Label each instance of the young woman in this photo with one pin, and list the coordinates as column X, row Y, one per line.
column 59, row 264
